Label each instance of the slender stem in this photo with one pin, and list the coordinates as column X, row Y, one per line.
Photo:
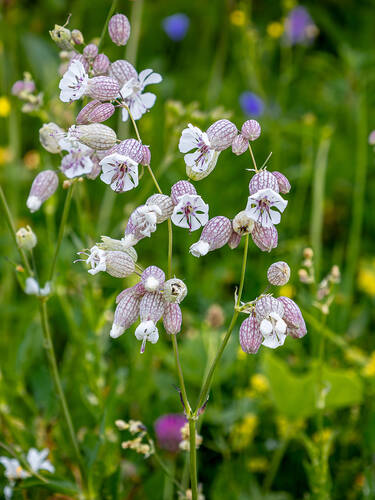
column 64, row 218
column 275, row 463
column 170, row 248
column 193, row 459
column 253, row 158
column 133, row 122
column 207, row 383
column 110, row 14
column 154, row 179
column 167, row 471
column 48, row 345
column 12, row 228
column 180, row 376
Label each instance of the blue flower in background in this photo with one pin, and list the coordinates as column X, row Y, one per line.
column 299, row 26
column 251, row 104
column 176, row 26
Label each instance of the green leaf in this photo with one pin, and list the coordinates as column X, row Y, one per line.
column 295, row 395
column 55, row 484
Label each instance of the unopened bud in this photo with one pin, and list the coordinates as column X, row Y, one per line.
column 251, row 130
column 77, row 37
column 221, row 134
column 308, row 253
column 119, row 29
column 90, row 51
column 100, row 65
column 62, row 37
column 95, row 135
column 278, row 273
column 49, row 136
column 42, row 188
column 239, row 144
column 26, row 239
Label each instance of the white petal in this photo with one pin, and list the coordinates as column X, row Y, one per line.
column 266, row 327
column 124, row 114
column 191, row 158
column 148, row 99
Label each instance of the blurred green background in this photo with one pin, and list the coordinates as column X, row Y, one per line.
column 318, row 113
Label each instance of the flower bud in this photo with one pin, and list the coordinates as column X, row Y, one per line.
column 172, row 319
column 265, row 238
column 308, row 253
column 95, row 135
column 100, row 65
column 95, row 112
column 42, row 188
column 119, row 29
column 181, row 188
column 250, row 335
column 251, row 130
column 119, row 264
column 103, row 88
column 278, row 273
column 123, row 71
column 152, row 278
column 77, row 37
column 234, row 240
column 293, row 318
column 146, row 160
column 49, row 136
column 174, row 291
column 267, row 305
column 239, row 144
column 221, row 134
column 90, row 51
column 215, row 234
column 263, row 180
column 62, row 37
column 126, row 314
column 26, row 239
column 242, row 223
column 165, row 204
column 282, row 182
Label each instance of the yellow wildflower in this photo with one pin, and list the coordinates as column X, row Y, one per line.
column 243, row 432
column 257, row 464
column 238, row 17
column 259, row 383
column 4, row 106
column 5, row 155
column 324, row 436
column 366, row 280
column 286, row 427
column 275, row 29
column 369, row 369
column 287, row 290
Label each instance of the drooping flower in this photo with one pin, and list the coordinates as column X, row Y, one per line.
column 215, row 234
column 120, row 171
column 49, row 136
column 176, row 26
column 151, row 309
column 115, row 262
column 250, row 335
column 168, row 431
column 73, row 84
column 269, row 313
column 251, row 104
column 191, row 212
column 261, row 207
column 293, row 318
column 43, row 187
column 172, row 318
column 133, row 96
column 127, row 312
column 77, row 162
column 203, row 159
column 179, row 189
column 142, row 222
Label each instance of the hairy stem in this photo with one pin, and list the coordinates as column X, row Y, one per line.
column 64, row 218
column 12, row 229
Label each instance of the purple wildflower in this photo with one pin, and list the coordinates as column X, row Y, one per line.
column 168, row 431
column 251, row 104
column 176, row 26
column 299, row 26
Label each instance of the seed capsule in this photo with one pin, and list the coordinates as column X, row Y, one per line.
column 96, row 136
column 126, row 314
column 174, row 291
column 242, row 223
column 119, row 29
column 250, row 335
column 221, row 134
column 263, row 180
column 278, row 273
column 293, row 318
column 215, row 234
column 103, row 88
column 265, row 238
column 172, row 319
column 251, row 130
column 42, row 188
column 119, row 264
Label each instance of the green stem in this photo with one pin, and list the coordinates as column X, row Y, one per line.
column 207, row 383
column 253, row 158
column 48, row 345
column 12, row 229
column 135, row 21
column 64, row 218
column 110, row 14
column 275, row 464
column 193, row 459
column 167, row 471
column 181, row 376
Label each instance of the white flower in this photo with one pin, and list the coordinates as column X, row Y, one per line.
column 74, row 82
column 96, row 258
column 132, row 93
column 144, row 219
column 260, row 204
column 273, row 329
column 191, row 212
column 37, row 460
column 32, row 287
column 13, row 469
column 204, row 158
column 147, row 331
column 120, row 171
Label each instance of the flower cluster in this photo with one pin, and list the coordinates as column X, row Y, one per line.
column 141, row 442
column 25, row 90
